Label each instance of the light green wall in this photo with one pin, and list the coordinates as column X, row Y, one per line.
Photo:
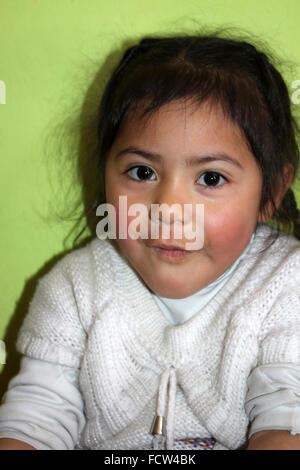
column 50, row 52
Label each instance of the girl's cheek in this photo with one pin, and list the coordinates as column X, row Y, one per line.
column 227, row 230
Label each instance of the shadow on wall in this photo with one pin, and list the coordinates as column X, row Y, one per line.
column 86, row 174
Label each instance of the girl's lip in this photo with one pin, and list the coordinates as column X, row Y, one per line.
column 168, row 247
column 171, row 251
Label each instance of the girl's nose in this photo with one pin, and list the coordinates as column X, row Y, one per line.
column 170, row 204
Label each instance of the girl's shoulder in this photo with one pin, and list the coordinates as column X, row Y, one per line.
column 274, row 257
column 66, row 301
column 99, row 263
column 274, row 243
column 95, row 256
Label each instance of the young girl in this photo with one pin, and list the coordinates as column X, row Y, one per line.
column 144, row 342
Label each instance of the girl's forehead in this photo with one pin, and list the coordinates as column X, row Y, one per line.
column 180, row 117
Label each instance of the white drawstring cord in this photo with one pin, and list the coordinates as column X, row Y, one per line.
column 171, row 409
column 166, row 396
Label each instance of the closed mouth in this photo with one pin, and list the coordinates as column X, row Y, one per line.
column 175, row 249
column 168, row 247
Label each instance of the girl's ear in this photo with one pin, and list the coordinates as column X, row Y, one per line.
column 280, row 190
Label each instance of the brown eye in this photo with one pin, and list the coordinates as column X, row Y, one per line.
column 140, row 173
column 211, row 179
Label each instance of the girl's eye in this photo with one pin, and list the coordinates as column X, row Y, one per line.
column 211, row 179
column 140, row 173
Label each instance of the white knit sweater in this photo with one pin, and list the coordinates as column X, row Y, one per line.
column 93, row 312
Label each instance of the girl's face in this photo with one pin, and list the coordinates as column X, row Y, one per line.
column 185, row 155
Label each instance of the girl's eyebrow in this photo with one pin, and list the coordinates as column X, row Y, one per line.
column 190, row 161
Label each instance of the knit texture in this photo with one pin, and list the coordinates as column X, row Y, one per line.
column 93, row 312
